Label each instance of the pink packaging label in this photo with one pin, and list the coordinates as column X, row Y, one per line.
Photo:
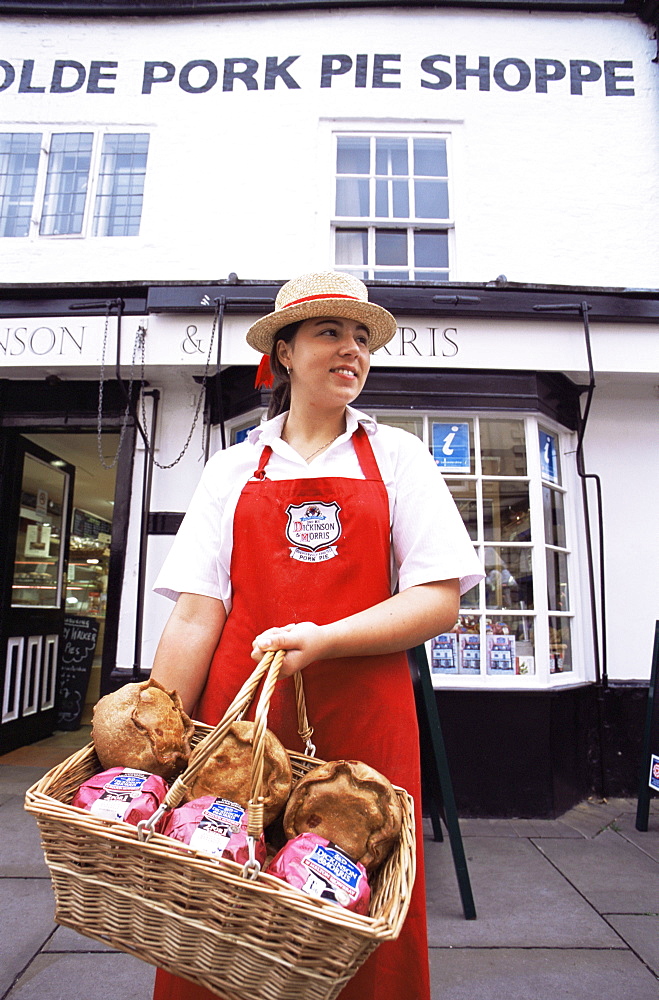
column 122, row 793
column 319, row 868
column 213, row 826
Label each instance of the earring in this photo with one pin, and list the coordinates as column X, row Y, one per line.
column 288, row 372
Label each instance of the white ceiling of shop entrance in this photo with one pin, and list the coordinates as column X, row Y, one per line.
column 94, row 485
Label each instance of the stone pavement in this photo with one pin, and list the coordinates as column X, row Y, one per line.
column 567, row 909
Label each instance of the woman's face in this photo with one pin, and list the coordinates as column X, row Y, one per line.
column 329, row 360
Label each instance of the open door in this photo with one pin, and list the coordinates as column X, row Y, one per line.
column 36, row 495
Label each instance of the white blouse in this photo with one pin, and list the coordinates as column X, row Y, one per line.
column 429, row 539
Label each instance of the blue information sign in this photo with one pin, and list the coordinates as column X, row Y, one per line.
column 548, row 457
column 450, row 447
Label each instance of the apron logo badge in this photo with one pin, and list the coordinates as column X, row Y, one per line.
column 312, row 529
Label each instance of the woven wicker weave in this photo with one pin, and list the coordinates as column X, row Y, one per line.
column 245, row 939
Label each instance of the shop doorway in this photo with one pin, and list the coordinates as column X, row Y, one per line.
column 58, row 504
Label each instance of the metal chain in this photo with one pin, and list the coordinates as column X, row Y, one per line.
column 140, row 344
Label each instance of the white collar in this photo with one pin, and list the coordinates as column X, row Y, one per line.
column 269, row 431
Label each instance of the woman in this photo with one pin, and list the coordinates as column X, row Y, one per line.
column 296, row 539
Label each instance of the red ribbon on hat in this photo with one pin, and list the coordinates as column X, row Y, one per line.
column 325, row 295
column 264, row 377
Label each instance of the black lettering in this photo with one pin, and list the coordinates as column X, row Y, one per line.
column 379, row 70
column 19, row 329
column 543, row 76
column 583, row 71
column 410, row 340
column 483, row 72
column 51, row 338
column 25, row 86
column 275, row 69
column 65, row 330
column 246, row 74
column 150, row 77
column 521, row 67
column 447, row 339
column 56, row 85
column 327, row 70
column 443, row 78
column 184, row 76
column 361, row 66
column 10, row 74
column 611, row 81
column 96, row 76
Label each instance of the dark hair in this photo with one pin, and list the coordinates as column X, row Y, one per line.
column 281, row 389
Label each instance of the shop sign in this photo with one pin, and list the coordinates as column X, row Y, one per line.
column 548, row 457
column 654, row 772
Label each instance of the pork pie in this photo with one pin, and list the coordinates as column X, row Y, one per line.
column 142, row 726
column 227, row 773
column 352, row 805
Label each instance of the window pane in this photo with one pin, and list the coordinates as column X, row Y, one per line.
column 352, row 197
column 413, row 425
column 391, row 275
column 557, row 593
column 391, row 157
column 506, row 511
column 119, row 197
column 351, row 246
column 503, row 448
column 560, row 646
column 390, row 247
column 353, row 154
column 549, row 457
column 463, row 492
column 552, row 502
column 430, row 158
column 431, row 275
column 19, row 164
column 470, row 599
column 430, row 248
column 431, row 199
column 392, row 200
column 469, row 644
column 66, row 183
column 510, row 645
column 508, row 580
column 38, row 556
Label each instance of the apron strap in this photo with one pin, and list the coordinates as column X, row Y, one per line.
column 265, row 457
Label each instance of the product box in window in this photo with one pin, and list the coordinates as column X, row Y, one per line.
column 470, row 653
column 501, row 656
column 444, row 653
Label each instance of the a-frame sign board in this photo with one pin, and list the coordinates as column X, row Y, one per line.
column 436, row 775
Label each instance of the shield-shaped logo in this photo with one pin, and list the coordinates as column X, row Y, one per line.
column 313, row 525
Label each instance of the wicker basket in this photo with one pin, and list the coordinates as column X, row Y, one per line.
column 244, row 938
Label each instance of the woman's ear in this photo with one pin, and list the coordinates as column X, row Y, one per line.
column 283, row 353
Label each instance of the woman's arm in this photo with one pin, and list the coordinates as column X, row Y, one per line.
column 400, row 622
column 187, row 644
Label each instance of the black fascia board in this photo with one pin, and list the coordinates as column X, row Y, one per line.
column 169, row 8
column 512, row 300
column 62, row 299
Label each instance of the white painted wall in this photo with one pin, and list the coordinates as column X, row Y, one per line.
column 548, row 187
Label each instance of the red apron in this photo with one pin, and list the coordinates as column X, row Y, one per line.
column 319, row 550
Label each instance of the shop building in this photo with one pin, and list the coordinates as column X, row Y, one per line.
column 491, row 172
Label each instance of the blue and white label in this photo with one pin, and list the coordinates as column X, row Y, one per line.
column 451, row 446
column 118, row 794
column 219, row 821
column 548, row 457
column 333, row 875
column 654, row 772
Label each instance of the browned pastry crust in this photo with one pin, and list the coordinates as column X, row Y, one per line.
column 228, row 771
column 142, row 726
column 352, row 805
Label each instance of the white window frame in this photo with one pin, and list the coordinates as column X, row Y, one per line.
column 47, row 132
column 570, row 486
column 371, row 223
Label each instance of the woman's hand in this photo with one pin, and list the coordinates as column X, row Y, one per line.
column 303, row 642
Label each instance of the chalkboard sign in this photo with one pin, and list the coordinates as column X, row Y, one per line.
column 86, row 525
column 78, row 647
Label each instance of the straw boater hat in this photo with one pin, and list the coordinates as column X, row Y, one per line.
column 327, row 293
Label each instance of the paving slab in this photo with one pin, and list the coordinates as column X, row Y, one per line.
column 66, row 939
column 21, row 855
column 85, row 977
column 593, row 815
column 641, row 932
column 473, row 827
column 521, row 899
column 645, row 840
column 543, row 828
column 15, row 780
column 612, row 874
column 27, row 908
column 539, row 974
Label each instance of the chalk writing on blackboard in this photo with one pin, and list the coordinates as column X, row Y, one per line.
column 78, row 647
